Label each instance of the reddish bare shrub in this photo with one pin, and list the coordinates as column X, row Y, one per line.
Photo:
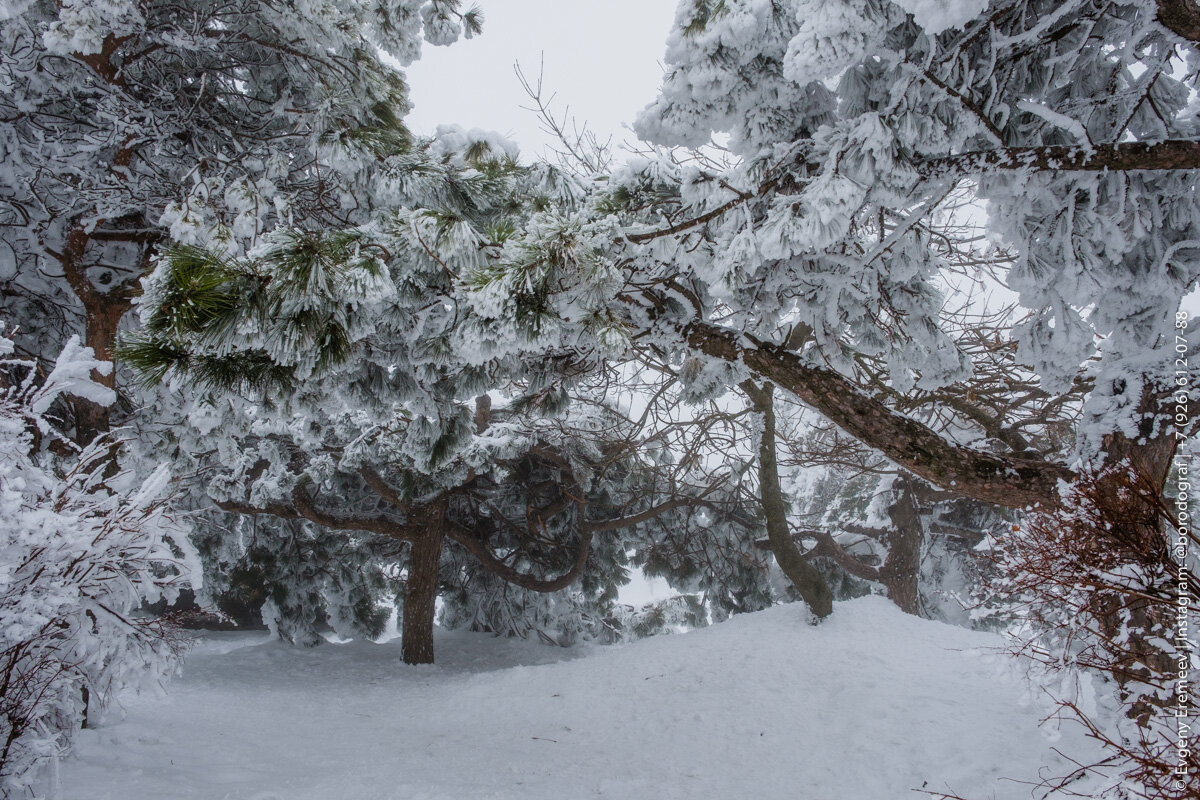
column 1102, row 586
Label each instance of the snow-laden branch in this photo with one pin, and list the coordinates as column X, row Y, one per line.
column 1009, row 481
column 1122, row 157
column 1169, row 155
column 494, row 565
column 303, row 507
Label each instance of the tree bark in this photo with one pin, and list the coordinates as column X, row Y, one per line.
column 807, row 579
column 102, row 313
column 1175, row 154
column 1181, row 17
column 901, row 570
column 421, row 588
column 1150, row 454
column 1126, row 617
column 1008, row 481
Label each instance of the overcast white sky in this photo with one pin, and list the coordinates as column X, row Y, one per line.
column 602, row 57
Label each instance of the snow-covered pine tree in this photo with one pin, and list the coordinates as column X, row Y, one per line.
column 133, row 123
column 341, row 380
column 850, row 127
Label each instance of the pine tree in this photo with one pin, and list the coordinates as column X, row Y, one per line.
column 342, row 381
column 139, row 123
column 853, row 133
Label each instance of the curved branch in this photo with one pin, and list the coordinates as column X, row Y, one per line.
column 305, row 508
column 382, row 488
column 700, row 219
column 762, row 190
column 497, row 567
column 827, row 547
column 381, row 525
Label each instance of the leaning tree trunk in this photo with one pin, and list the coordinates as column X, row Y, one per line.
column 421, row 589
column 806, row 578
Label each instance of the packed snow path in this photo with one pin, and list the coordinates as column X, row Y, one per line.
column 868, row 706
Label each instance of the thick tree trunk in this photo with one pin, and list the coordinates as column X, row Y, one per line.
column 901, row 570
column 1150, row 455
column 807, row 579
column 102, row 313
column 421, row 589
column 1127, row 617
column 1181, row 16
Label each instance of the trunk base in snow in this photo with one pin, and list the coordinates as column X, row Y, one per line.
column 420, row 593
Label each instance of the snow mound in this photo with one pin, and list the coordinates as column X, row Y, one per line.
column 868, row 706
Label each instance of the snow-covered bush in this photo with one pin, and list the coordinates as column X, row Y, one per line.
column 82, row 545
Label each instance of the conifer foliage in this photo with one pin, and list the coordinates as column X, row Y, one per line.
column 126, row 125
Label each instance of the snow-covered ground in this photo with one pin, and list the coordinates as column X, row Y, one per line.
column 868, row 706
